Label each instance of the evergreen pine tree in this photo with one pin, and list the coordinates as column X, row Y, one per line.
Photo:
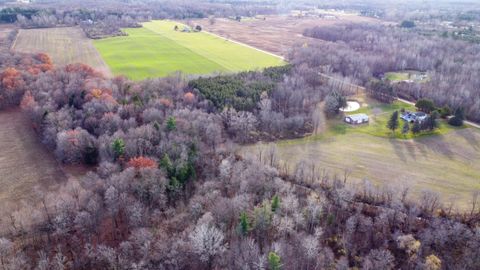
column 244, row 225
column 275, row 203
column 457, row 119
column 405, row 129
column 171, row 123
column 416, row 128
column 274, row 262
column 393, row 122
column 167, row 165
column 118, row 146
column 432, row 121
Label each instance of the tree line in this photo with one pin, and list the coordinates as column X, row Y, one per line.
column 105, row 19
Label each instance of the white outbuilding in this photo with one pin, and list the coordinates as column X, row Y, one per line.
column 356, row 119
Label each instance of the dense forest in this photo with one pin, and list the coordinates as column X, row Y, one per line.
column 167, row 188
column 169, row 192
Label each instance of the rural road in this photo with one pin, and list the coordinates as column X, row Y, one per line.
column 470, row 123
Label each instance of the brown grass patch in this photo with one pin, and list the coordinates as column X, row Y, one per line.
column 65, row 45
column 447, row 164
column 27, row 168
column 277, row 33
column 5, row 30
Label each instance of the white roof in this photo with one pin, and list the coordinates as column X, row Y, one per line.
column 358, row 117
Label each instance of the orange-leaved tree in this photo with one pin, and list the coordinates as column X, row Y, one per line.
column 189, row 97
column 142, row 162
column 11, row 78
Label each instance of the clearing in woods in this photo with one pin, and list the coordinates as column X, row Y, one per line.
column 25, row 164
column 445, row 163
column 157, row 50
column 65, row 45
column 444, row 160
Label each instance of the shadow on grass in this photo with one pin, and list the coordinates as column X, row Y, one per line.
column 471, row 137
column 406, row 149
column 398, row 148
column 437, row 144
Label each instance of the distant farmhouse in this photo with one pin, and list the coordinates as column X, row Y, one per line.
column 413, row 117
column 356, row 119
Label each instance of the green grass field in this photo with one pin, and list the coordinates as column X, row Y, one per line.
column 379, row 114
column 156, row 50
column 397, row 76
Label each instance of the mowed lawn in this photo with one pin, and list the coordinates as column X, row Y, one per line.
column 379, row 114
column 156, row 50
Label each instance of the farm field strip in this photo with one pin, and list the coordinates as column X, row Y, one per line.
column 275, row 33
column 65, row 45
column 246, row 45
column 144, row 54
column 157, row 50
column 232, row 55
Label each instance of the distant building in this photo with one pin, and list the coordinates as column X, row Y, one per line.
column 356, row 119
column 418, row 77
column 329, row 17
column 297, row 13
column 413, row 117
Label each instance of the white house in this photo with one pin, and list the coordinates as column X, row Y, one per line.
column 412, row 117
column 356, row 119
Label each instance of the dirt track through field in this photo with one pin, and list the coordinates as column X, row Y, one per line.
column 66, row 45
